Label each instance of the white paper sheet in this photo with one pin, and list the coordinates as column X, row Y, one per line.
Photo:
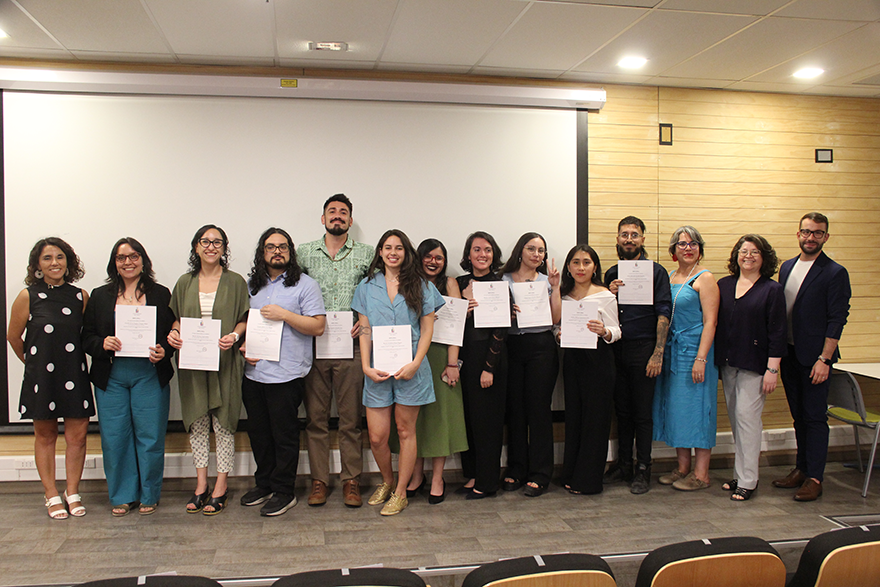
column 336, row 342
column 136, row 330
column 392, row 347
column 493, row 298
column 575, row 315
column 449, row 326
column 200, row 350
column 638, row 282
column 263, row 337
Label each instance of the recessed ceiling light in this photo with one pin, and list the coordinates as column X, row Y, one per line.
column 3, row 34
column 809, row 72
column 632, row 62
column 328, row 46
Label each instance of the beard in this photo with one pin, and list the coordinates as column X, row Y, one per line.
column 814, row 251
column 275, row 264
column 337, row 230
column 629, row 255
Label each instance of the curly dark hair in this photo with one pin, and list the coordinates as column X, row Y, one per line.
column 411, row 275
column 515, row 259
column 259, row 275
column 425, row 247
column 497, row 256
column 75, row 269
column 566, row 283
column 148, row 276
column 195, row 262
column 769, row 260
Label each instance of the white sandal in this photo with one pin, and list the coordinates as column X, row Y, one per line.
column 57, row 514
column 78, row 511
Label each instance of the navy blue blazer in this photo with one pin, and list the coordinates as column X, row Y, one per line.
column 820, row 309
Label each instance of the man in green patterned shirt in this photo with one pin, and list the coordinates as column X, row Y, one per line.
column 338, row 264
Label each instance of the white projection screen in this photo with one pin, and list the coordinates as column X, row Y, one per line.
column 93, row 168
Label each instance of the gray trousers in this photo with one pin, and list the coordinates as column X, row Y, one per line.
column 745, row 403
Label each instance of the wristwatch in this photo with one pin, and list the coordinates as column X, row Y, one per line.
column 772, row 370
column 824, row 360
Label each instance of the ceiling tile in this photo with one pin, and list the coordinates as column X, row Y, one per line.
column 762, row 46
column 423, row 67
column 665, row 38
column 216, row 27
column 455, row 32
column 32, row 53
column 22, row 31
column 839, row 58
column 558, row 36
column 834, row 10
column 854, row 91
column 238, row 60
column 684, row 82
column 605, row 78
column 753, row 7
column 873, row 80
column 363, row 24
column 327, row 64
column 124, row 57
column 517, row 72
column 120, row 26
column 637, row 3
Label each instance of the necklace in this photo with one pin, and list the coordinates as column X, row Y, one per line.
column 679, row 291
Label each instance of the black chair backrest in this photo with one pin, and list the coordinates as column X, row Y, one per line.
column 563, row 570
column 850, row 556
column 367, row 577
column 154, row 581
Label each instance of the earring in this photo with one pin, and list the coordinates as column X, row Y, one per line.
column 674, row 257
column 38, row 274
column 519, row 259
column 66, row 272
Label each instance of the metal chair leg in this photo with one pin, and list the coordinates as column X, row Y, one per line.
column 858, row 448
column 871, row 459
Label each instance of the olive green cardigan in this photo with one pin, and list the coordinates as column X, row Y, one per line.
column 218, row 392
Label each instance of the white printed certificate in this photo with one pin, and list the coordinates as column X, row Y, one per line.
column 336, row 342
column 449, row 326
column 136, row 330
column 493, row 298
column 575, row 315
column 638, row 282
column 533, row 302
column 200, row 350
column 263, row 337
column 392, row 347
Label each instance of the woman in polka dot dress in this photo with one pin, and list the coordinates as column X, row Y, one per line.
column 49, row 313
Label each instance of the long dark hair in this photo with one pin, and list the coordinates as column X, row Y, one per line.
column 769, row 260
column 148, row 276
column 425, row 247
column 497, row 256
column 259, row 275
column 411, row 276
column 515, row 259
column 566, row 283
column 195, row 262
column 75, row 269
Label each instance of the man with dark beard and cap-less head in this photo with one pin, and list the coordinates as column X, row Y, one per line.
column 639, row 359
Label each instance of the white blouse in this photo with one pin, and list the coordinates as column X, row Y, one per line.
column 607, row 312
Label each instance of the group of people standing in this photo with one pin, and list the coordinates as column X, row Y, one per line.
column 693, row 329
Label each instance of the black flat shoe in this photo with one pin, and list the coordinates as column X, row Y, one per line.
column 218, row 503
column 198, row 500
column 474, row 494
column 463, row 490
column 435, row 499
column 511, row 485
column 417, row 490
column 534, row 489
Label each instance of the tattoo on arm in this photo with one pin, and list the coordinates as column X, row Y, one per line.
column 662, row 330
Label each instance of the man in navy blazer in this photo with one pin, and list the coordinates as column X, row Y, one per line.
column 817, row 293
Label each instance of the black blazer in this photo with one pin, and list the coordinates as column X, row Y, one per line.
column 99, row 323
column 820, row 309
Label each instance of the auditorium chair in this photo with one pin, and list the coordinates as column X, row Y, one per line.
column 841, row 558
column 552, row 570
column 365, row 577
column 154, row 581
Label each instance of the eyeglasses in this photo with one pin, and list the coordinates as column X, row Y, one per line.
column 687, row 245
column 533, row 250
column 434, row 258
column 749, row 253
column 217, row 244
column 270, row 248
column 805, row 232
column 120, row 259
column 629, row 235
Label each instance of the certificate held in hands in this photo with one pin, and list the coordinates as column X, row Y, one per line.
column 638, row 282
column 493, row 298
column 136, row 330
column 575, row 315
column 449, row 326
column 200, row 350
column 263, row 337
column 336, row 342
column 534, row 304
column 392, row 347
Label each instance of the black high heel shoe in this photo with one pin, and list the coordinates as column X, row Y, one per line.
column 199, row 500
column 417, row 490
column 435, row 499
column 218, row 503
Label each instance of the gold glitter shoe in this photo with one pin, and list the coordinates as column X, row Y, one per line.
column 395, row 505
column 381, row 495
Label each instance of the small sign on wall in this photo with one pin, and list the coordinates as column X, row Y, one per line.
column 824, row 156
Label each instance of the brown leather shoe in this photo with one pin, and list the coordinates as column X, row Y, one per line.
column 351, row 491
column 319, row 493
column 793, row 480
column 809, row 491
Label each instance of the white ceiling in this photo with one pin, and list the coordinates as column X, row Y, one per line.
column 734, row 44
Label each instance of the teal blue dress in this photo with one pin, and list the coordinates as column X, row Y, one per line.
column 686, row 413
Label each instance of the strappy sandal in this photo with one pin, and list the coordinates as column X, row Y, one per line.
column 534, row 489
column 218, row 503
column 75, row 511
column 122, row 509
column 52, row 502
column 730, row 485
column 147, row 509
column 199, row 500
column 742, row 494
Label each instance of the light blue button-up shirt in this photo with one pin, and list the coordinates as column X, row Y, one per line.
column 295, row 362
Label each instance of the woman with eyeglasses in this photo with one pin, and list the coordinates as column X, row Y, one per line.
column 750, row 342
column 532, row 368
column 211, row 398
column 132, row 392
column 686, row 397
